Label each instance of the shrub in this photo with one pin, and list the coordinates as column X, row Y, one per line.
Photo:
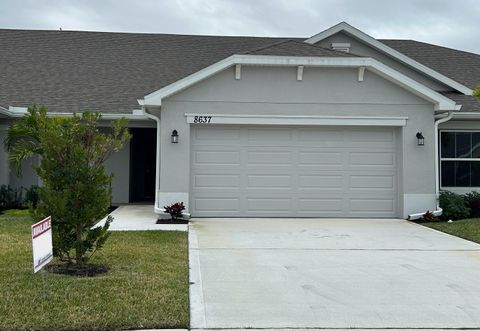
column 453, row 206
column 472, row 201
column 429, row 217
column 17, row 198
column 175, row 210
column 76, row 189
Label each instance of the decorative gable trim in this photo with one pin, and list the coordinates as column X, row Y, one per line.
column 441, row 102
column 343, row 26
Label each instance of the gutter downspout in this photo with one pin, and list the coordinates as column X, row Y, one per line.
column 439, row 210
column 157, row 168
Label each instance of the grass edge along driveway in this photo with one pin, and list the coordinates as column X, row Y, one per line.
column 468, row 229
column 146, row 287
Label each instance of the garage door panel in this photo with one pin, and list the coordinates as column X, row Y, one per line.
column 269, row 181
column 372, row 205
column 372, row 182
column 216, row 180
column 288, row 172
column 269, row 205
column 376, row 159
column 216, row 157
column 320, row 158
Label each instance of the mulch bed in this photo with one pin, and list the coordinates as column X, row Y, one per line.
column 169, row 221
column 87, row 270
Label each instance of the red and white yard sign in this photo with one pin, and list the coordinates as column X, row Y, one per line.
column 42, row 243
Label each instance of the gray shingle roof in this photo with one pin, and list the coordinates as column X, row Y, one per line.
column 463, row 67
column 76, row 71
column 71, row 71
column 297, row 48
column 469, row 103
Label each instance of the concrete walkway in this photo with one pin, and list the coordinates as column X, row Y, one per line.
column 331, row 274
column 139, row 218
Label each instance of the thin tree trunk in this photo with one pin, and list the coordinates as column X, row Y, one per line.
column 78, row 250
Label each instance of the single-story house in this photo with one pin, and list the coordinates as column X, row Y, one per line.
column 339, row 124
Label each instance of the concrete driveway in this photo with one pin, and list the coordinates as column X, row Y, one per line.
column 299, row 273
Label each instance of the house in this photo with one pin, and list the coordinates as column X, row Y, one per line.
column 335, row 125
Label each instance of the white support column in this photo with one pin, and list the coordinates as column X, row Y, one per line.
column 238, row 71
column 300, row 73
column 361, row 73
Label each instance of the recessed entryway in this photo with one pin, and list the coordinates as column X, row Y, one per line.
column 142, row 164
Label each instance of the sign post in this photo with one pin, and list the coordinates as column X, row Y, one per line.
column 42, row 243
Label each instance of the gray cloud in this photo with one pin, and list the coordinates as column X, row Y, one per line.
column 448, row 23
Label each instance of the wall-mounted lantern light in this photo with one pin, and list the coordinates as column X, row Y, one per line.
column 174, row 136
column 420, row 139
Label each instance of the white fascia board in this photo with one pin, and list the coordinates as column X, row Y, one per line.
column 298, row 120
column 343, row 26
column 21, row 111
column 441, row 102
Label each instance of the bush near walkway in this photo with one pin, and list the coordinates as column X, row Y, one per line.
column 147, row 286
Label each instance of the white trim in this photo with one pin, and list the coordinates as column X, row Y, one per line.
column 299, row 120
column 136, row 114
column 300, row 73
column 343, row 26
column 361, row 74
column 238, row 71
column 158, row 154
column 441, row 102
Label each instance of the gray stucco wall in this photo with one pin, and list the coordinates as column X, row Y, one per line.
column 323, row 91
column 360, row 48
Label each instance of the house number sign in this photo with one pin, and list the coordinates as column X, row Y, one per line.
column 202, row 119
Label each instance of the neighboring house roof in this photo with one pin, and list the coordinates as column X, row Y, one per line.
column 464, row 67
column 71, row 71
column 469, row 103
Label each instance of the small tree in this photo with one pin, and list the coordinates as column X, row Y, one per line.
column 76, row 190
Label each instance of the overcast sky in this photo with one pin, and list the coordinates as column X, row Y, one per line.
column 450, row 23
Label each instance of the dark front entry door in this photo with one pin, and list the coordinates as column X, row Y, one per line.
column 142, row 164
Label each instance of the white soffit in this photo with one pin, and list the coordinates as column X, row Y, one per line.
column 343, row 26
column 441, row 102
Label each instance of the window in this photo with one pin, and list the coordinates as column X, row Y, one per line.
column 460, row 159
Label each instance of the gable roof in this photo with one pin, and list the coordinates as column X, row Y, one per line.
column 464, row 67
column 347, row 28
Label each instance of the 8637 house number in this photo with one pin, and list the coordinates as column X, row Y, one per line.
column 202, row 119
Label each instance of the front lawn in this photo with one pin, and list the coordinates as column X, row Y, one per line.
column 146, row 287
column 467, row 229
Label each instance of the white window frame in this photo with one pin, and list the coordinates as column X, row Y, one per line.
column 450, row 188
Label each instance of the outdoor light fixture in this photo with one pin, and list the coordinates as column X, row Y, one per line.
column 420, row 139
column 174, row 136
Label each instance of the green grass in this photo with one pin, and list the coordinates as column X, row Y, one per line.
column 467, row 229
column 15, row 212
column 146, row 287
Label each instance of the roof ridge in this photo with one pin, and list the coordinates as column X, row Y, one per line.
column 148, row 33
column 267, row 46
column 303, row 43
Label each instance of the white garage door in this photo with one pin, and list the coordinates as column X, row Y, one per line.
column 260, row 171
